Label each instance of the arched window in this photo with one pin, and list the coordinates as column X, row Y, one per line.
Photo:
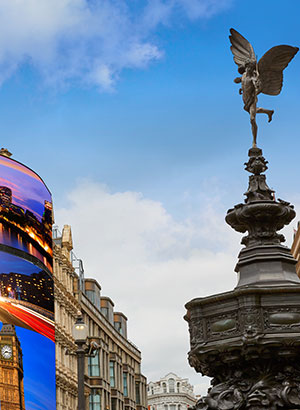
column 178, row 389
column 164, row 386
column 171, row 385
column 150, row 389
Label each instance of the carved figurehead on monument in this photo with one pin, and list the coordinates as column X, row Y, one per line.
column 264, row 76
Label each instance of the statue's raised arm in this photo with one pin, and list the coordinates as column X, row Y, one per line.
column 265, row 76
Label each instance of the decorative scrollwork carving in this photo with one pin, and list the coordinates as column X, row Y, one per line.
column 196, row 332
column 226, row 324
column 261, row 215
column 258, row 386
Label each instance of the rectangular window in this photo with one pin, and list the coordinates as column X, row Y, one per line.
column 104, row 311
column 95, row 400
column 125, row 386
column 112, row 374
column 172, row 407
column 118, row 327
column 113, row 404
column 137, row 393
column 94, row 365
column 93, row 297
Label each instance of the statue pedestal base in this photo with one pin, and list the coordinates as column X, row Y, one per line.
column 248, row 340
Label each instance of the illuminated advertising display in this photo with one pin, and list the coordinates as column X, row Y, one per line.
column 27, row 336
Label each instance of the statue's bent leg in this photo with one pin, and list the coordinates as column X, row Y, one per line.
column 252, row 112
column 265, row 111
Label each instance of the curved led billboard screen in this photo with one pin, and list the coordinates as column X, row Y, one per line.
column 27, row 336
column 25, row 211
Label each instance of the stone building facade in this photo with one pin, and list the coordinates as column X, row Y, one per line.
column 66, row 308
column 113, row 379
column 295, row 249
column 170, row 393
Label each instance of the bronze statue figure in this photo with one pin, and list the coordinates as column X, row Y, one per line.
column 248, row 339
column 264, row 76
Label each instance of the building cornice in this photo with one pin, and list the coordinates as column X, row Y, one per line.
column 109, row 327
column 170, row 395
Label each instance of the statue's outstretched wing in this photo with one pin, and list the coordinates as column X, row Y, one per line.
column 241, row 49
column 271, row 66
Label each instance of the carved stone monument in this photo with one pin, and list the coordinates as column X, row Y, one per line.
column 248, row 339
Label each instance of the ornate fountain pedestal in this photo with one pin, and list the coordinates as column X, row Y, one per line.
column 248, row 339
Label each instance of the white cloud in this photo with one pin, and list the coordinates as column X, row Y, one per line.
column 203, row 8
column 151, row 265
column 87, row 41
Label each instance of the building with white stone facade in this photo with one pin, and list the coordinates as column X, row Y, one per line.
column 66, row 308
column 113, row 378
column 170, row 393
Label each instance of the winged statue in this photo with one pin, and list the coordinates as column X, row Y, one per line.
column 264, row 76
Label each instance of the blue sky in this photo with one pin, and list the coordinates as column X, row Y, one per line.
column 160, row 123
column 129, row 113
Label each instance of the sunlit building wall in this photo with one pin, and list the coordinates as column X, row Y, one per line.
column 66, row 308
column 113, row 379
column 295, row 249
